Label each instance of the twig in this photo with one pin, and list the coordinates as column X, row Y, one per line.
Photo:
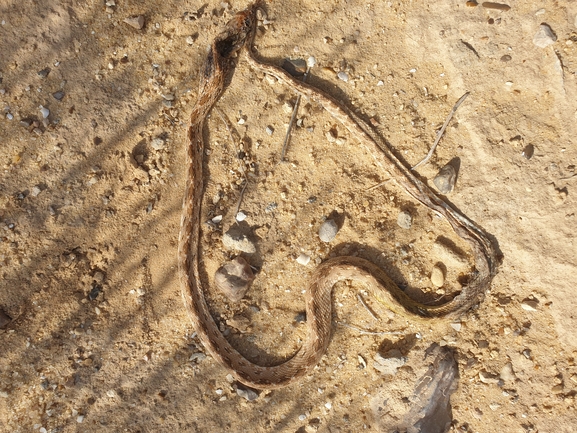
column 365, row 332
column 310, row 63
column 377, row 185
column 440, row 134
column 364, row 304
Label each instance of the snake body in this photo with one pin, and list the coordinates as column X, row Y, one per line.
column 218, row 68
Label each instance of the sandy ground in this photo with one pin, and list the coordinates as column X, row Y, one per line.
column 90, row 201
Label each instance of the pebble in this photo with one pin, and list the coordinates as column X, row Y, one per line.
column 389, row 363
column 488, row 378
column 241, row 216
column 35, row 191
column 303, row 259
column 287, row 107
column 343, row 76
column 437, row 276
column 168, row 96
column 9, row 116
column 529, row 304
column 58, row 95
column 404, row 220
column 507, row 373
column 157, row 143
column 528, row 151
column 506, row 58
column 235, row 239
column 44, row 72
column 269, row 130
column 456, row 326
column 44, row 111
column 544, row 37
column 328, row 230
column 234, row 278
column 445, row 179
column 136, row 22
column 247, row 393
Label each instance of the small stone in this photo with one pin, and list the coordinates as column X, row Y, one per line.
column 328, row 230
column 35, row 191
column 235, row 239
column 445, row 179
column 303, row 259
column 168, row 96
column 157, row 143
column 234, row 278
column 494, row 406
column 404, row 220
column 343, row 76
column 389, row 363
column 136, row 22
column 311, row 62
column 287, row 107
column 217, row 219
column 44, row 72
column 507, row 373
column 328, row 405
column 529, row 304
column 528, row 151
column 247, row 393
column 44, row 111
column 80, row 419
column 269, row 130
column 9, row 116
column 198, row 357
column 488, row 378
column 506, row 58
column 58, row 95
column 544, row 37
column 437, row 276
column 190, row 40
column 456, row 326
column 241, row 216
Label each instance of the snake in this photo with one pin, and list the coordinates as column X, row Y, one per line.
column 215, row 75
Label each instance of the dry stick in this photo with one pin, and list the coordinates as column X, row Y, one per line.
column 364, row 304
column 377, row 185
column 440, row 134
column 293, row 116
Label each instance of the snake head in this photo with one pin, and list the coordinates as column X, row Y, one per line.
column 237, row 32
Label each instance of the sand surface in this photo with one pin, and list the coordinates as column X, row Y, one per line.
column 90, row 203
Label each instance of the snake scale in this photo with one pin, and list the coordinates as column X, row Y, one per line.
column 217, row 70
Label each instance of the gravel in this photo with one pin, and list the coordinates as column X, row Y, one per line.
column 328, row 230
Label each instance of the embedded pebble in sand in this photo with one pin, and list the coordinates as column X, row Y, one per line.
column 404, row 220
column 544, row 37
column 328, row 230
column 445, row 179
column 136, row 22
column 234, row 278
column 437, row 276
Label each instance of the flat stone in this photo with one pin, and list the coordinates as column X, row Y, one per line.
column 234, row 278
column 544, row 37
column 136, row 22
column 529, row 304
column 328, row 230
column 235, row 239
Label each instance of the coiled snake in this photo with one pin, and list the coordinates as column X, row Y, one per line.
column 218, row 68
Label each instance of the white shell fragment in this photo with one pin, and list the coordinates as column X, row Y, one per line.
column 303, row 259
